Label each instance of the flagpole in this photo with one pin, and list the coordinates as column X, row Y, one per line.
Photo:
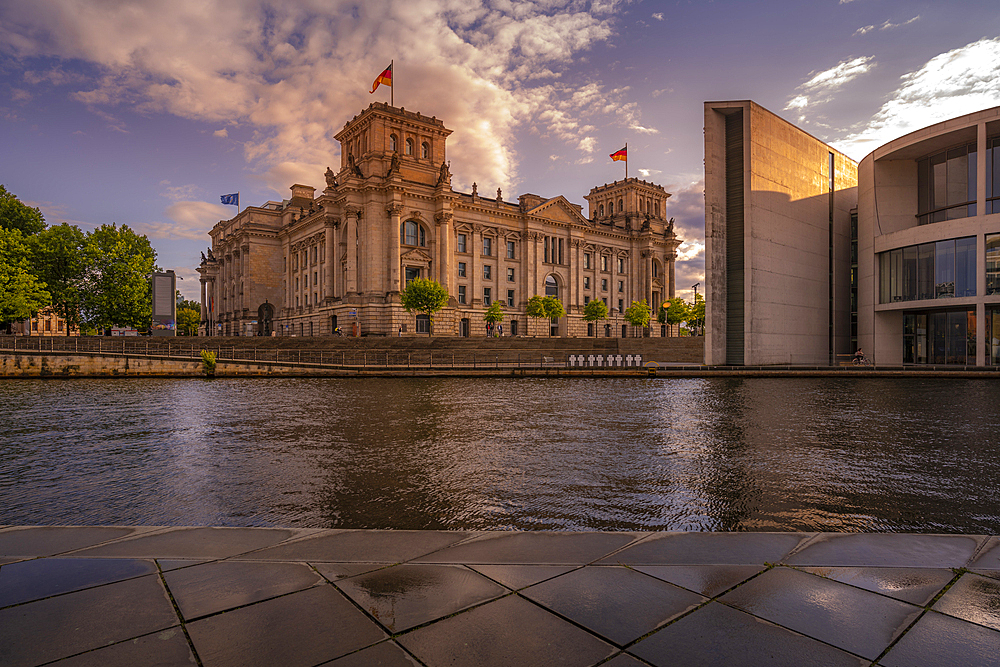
column 392, row 85
column 626, row 160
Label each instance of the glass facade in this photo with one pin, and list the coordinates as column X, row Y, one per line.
column 993, row 175
column 993, row 263
column 929, row 271
column 940, row 337
column 946, row 185
column 993, row 335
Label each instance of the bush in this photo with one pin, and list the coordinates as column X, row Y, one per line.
column 208, row 362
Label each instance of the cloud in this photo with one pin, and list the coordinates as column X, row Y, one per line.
column 888, row 25
column 820, row 87
column 19, row 95
column 658, row 16
column 221, row 133
column 292, row 72
column 687, row 207
column 180, row 192
column 188, row 220
column 951, row 84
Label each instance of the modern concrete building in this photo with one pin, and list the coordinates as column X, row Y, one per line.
column 929, row 245
column 312, row 263
column 777, row 240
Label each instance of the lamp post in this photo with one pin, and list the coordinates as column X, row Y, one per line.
column 697, row 321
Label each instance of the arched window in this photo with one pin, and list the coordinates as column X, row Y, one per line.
column 601, row 214
column 425, row 150
column 410, row 231
column 656, row 208
column 640, row 204
column 392, row 143
column 409, row 147
column 621, row 209
column 649, row 205
column 551, row 287
column 611, row 208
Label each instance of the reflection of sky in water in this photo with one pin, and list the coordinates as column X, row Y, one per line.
column 591, row 454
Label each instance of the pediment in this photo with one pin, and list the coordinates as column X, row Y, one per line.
column 416, row 255
column 559, row 209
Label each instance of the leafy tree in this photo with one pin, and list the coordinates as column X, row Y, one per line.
column 696, row 317
column 15, row 215
column 638, row 314
column 59, row 258
column 595, row 310
column 116, row 289
column 424, row 295
column 494, row 314
column 675, row 312
column 536, row 308
column 21, row 293
column 187, row 303
column 187, row 321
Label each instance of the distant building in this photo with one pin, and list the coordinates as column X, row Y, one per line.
column 310, row 264
column 777, row 241
column 45, row 323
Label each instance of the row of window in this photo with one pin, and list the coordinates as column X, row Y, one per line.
column 932, row 270
column 946, row 183
column 302, row 259
column 487, row 296
column 647, row 205
column 949, row 337
column 408, row 146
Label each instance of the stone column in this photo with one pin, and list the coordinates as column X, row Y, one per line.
column 330, row 255
column 353, row 213
column 669, row 278
column 532, row 261
column 475, row 267
column 394, row 210
column 204, row 308
column 444, row 233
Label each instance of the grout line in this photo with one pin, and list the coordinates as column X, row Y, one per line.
column 180, row 618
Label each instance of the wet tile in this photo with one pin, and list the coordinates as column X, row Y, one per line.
column 973, row 598
column 708, row 580
column 51, row 540
column 888, row 550
column 914, row 585
column 509, row 631
column 849, row 618
column 207, row 543
column 719, row 635
column 938, row 640
column 405, row 596
column 623, row 660
column 168, row 648
column 304, row 628
column 43, row 577
column 386, row 654
column 214, row 587
column 167, row 564
column 334, row 571
column 367, row 546
column 62, row 626
column 519, row 576
column 4, row 561
column 534, row 547
column 617, row 603
column 708, row 549
column 989, row 557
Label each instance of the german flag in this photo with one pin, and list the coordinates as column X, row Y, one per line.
column 620, row 155
column 385, row 78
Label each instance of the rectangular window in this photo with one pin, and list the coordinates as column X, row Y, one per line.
column 461, row 243
column 411, row 274
column 621, row 265
column 928, row 271
column 621, row 306
column 510, row 298
column 487, row 272
column 487, row 296
column 510, row 275
column 510, row 250
column 621, row 285
column 993, row 263
column 315, row 278
column 586, row 260
column 993, row 335
column 965, row 266
column 586, row 282
column 461, row 269
column 545, row 243
column 488, row 246
column 946, row 185
column 604, row 262
column 944, row 269
column 586, row 300
column 604, row 284
column 993, row 175
column 284, row 263
column 461, row 293
column 560, row 252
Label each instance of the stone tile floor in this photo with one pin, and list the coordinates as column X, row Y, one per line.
column 80, row 596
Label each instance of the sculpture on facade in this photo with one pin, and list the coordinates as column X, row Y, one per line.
column 444, row 176
column 670, row 227
column 331, row 178
column 393, row 165
column 353, row 166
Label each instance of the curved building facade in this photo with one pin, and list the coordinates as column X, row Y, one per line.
column 928, row 245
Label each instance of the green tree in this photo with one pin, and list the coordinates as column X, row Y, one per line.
column 494, row 314
column 424, row 295
column 15, row 215
column 675, row 312
column 638, row 314
column 21, row 293
column 594, row 311
column 696, row 314
column 116, row 289
column 187, row 321
column 187, row 303
column 536, row 308
column 59, row 258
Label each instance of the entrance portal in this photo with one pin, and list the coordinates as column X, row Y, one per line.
column 265, row 319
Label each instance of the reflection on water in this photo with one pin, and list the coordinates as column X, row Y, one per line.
column 584, row 454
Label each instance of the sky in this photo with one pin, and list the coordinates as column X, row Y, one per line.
column 144, row 113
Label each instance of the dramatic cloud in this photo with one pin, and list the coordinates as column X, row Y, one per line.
column 292, row 72
column 687, row 207
column 819, row 88
column 952, row 84
column 188, row 220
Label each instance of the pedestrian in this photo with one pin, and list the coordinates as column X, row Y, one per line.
column 500, row 330
column 400, row 335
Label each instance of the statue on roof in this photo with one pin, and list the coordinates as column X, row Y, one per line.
column 331, row 178
column 670, row 227
column 499, row 195
column 202, row 258
column 353, row 166
column 393, row 165
column 444, row 175
column 475, row 189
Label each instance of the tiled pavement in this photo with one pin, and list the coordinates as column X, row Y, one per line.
column 80, row 596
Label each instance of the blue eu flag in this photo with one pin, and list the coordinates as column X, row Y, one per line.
column 231, row 200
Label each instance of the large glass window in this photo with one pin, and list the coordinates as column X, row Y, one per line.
column 993, row 335
column 993, row 175
column 940, row 337
column 946, row 185
column 487, row 246
column 929, row 271
column 993, row 263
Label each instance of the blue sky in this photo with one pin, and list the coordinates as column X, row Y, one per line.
column 144, row 113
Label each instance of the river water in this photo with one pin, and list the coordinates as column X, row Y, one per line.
column 564, row 454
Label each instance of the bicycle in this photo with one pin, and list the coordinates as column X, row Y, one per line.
column 862, row 361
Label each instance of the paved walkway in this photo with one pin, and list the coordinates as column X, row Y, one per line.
column 108, row 596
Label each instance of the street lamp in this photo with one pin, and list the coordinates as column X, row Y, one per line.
column 697, row 322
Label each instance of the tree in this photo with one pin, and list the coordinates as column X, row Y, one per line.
column 536, row 308
column 696, row 314
column 59, row 258
column 187, row 321
column 493, row 314
column 15, row 215
column 638, row 314
column 424, row 295
column 21, row 293
column 187, row 303
column 116, row 289
column 675, row 312
column 595, row 310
